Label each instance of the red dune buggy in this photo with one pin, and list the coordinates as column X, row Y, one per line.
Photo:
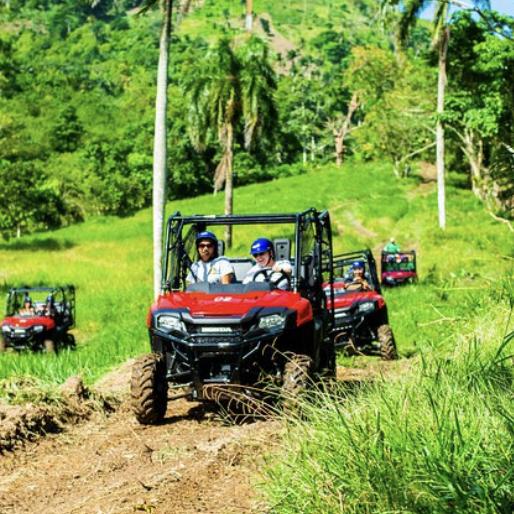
column 238, row 338
column 360, row 311
column 398, row 268
column 38, row 318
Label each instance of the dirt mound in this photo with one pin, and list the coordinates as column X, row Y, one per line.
column 21, row 423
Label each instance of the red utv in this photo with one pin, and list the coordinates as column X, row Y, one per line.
column 38, row 318
column 360, row 311
column 398, row 268
column 241, row 337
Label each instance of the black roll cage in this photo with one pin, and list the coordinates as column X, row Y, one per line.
column 15, row 293
column 321, row 251
column 365, row 255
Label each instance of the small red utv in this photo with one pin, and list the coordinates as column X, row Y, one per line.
column 398, row 268
column 249, row 338
column 38, row 318
column 360, row 311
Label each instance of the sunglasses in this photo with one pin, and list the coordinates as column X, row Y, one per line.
column 260, row 254
column 205, row 245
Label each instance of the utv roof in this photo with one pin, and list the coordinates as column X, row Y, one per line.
column 27, row 289
column 246, row 219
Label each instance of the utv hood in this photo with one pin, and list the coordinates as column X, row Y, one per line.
column 344, row 300
column 28, row 322
column 202, row 305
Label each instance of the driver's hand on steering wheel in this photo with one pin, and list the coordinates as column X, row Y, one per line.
column 285, row 268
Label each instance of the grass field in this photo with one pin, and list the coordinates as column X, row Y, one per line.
column 109, row 261
column 435, row 436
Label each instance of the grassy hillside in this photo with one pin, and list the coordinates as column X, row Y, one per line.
column 297, row 20
column 109, row 261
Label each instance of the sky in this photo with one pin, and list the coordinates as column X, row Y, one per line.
column 502, row 6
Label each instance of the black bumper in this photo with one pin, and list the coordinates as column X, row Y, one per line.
column 200, row 360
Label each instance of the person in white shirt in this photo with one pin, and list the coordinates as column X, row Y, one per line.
column 210, row 267
column 266, row 268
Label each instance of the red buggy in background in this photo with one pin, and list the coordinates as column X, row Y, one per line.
column 361, row 321
column 38, row 318
column 398, row 268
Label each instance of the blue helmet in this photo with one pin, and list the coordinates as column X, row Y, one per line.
column 206, row 235
column 357, row 265
column 261, row 245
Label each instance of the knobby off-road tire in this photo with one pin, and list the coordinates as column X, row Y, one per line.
column 387, row 343
column 296, row 380
column 49, row 345
column 149, row 389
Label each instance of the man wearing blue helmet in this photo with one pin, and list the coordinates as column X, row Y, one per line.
column 357, row 281
column 210, row 267
column 266, row 268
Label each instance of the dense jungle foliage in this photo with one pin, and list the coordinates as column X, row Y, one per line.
column 77, row 90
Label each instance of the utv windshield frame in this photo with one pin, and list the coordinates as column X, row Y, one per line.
column 317, row 258
column 64, row 294
column 363, row 255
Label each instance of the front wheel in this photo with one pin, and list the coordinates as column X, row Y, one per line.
column 149, row 389
column 387, row 343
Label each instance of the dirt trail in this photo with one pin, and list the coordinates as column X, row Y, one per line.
column 194, row 462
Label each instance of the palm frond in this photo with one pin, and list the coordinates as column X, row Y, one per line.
column 412, row 9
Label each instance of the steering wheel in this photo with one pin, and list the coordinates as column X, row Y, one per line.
column 267, row 277
column 357, row 286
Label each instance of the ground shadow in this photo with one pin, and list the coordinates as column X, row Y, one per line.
column 44, row 244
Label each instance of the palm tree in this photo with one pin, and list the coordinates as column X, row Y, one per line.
column 258, row 86
column 222, row 89
column 214, row 91
column 441, row 34
column 160, row 151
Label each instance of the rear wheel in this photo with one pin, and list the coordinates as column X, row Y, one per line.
column 49, row 345
column 387, row 343
column 149, row 389
column 296, row 379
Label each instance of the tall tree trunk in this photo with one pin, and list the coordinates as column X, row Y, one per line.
column 159, row 151
column 249, row 15
column 229, row 192
column 441, row 86
column 340, row 135
column 474, row 151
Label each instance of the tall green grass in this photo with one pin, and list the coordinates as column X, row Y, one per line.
column 110, row 260
column 437, row 438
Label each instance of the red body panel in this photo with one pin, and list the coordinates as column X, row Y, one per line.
column 226, row 305
column 29, row 321
column 346, row 299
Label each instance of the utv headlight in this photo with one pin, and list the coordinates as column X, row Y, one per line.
column 170, row 323
column 366, row 306
column 5, row 328
column 38, row 328
column 273, row 321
